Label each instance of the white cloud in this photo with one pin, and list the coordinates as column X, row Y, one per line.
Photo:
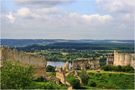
column 94, row 19
column 23, row 12
column 43, row 19
column 97, row 18
column 11, row 17
column 48, row 10
column 121, row 6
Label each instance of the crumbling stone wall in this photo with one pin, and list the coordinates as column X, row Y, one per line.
column 86, row 63
column 124, row 59
column 110, row 59
column 60, row 74
column 22, row 57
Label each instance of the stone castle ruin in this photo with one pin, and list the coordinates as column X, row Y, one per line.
column 37, row 61
column 122, row 59
column 62, row 73
column 86, row 63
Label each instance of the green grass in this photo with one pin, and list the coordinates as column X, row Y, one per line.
column 110, row 80
column 47, row 85
column 113, row 72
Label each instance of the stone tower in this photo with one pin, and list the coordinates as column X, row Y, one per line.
column 124, row 59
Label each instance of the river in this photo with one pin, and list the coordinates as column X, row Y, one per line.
column 57, row 63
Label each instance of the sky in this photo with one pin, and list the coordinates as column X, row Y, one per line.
column 67, row 19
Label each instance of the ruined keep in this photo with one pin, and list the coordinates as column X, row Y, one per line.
column 86, row 63
column 122, row 59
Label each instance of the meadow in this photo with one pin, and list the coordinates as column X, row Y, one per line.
column 15, row 76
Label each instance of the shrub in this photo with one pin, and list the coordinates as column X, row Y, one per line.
column 118, row 68
column 107, row 68
column 15, row 76
column 92, row 83
column 50, row 68
column 84, row 76
column 128, row 69
column 47, row 85
column 73, row 81
column 40, row 79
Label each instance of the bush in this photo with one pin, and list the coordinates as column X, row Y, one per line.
column 128, row 69
column 85, row 77
column 50, row 68
column 40, row 79
column 107, row 68
column 92, row 83
column 73, row 81
column 47, row 85
column 118, row 68
column 15, row 76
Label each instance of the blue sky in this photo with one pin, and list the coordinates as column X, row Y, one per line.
column 81, row 6
column 67, row 19
column 9, row 5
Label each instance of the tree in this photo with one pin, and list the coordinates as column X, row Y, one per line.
column 50, row 68
column 84, row 76
column 73, row 81
column 16, row 76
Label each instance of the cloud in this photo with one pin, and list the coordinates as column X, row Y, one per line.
column 91, row 19
column 43, row 13
column 11, row 17
column 48, row 10
column 44, row 19
column 119, row 6
column 96, row 18
column 42, row 3
column 23, row 12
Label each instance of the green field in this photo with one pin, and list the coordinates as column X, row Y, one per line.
column 111, row 80
column 14, row 76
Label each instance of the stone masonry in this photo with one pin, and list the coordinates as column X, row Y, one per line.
column 37, row 61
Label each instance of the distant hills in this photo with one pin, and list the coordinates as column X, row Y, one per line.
column 27, row 42
column 41, row 44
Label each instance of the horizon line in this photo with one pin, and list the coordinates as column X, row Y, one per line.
column 58, row 39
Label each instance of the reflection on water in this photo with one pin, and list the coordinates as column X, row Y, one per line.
column 57, row 63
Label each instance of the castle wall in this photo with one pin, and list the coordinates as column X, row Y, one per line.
column 23, row 57
column 124, row 59
column 110, row 59
column 86, row 63
column 133, row 60
column 127, row 59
